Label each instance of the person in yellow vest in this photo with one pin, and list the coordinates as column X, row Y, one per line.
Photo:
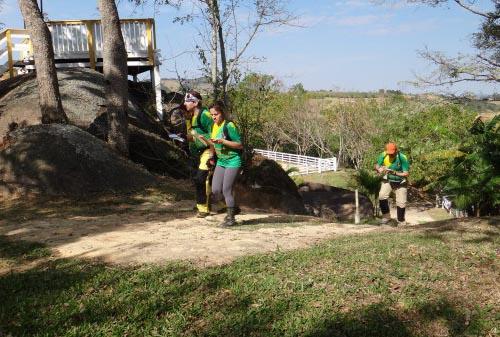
column 225, row 141
column 394, row 167
column 199, row 125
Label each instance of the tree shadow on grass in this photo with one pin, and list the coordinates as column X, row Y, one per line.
column 467, row 230
column 76, row 297
column 21, row 250
column 431, row 318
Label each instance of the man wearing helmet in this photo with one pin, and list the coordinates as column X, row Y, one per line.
column 394, row 167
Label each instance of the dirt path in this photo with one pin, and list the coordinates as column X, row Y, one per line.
column 171, row 232
column 156, row 233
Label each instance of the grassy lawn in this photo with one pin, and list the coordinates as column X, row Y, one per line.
column 435, row 281
column 342, row 179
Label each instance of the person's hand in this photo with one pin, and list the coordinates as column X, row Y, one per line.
column 381, row 169
column 218, row 141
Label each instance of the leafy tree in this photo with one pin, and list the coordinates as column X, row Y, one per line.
column 474, row 181
column 428, row 132
column 226, row 35
column 297, row 89
column 250, row 100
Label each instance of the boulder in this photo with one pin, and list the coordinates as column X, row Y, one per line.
column 334, row 203
column 63, row 160
column 265, row 185
column 83, row 99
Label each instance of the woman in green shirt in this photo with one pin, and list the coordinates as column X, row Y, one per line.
column 226, row 144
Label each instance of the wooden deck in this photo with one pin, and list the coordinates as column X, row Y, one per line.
column 79, row 44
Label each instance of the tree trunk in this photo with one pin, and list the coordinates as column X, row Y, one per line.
column 213, row 9
column 43, row 52
column 115, row 76
column 222, row 49
column 213, row 62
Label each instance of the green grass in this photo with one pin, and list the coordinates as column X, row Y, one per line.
column 342, row 179
column 435, row 282
column 19, row 252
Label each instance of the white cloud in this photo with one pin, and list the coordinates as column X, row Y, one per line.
column 357, row 20
column 404, row 28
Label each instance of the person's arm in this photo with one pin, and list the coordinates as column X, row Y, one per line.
column 228, row 143
column 208, row 142
column 234, row 135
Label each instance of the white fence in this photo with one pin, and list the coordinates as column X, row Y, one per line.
column 305, row 164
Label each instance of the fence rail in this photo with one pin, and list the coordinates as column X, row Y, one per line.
column 304, row 164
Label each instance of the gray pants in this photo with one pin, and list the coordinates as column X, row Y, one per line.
column 222, row 183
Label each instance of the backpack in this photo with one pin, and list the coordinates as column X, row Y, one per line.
column 398, row 159
column 198, row 122
column 225, row 130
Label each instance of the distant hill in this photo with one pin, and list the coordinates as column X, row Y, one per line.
column 201, row 84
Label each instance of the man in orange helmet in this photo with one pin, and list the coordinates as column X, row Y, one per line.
column 394, row 167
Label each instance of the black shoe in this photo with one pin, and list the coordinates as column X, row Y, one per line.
column 229, row 220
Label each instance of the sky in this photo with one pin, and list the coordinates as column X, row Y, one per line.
column 341, row 45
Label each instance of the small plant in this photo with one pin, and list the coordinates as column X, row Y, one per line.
column 475, row 179
column 369, row 184
column 291, row 170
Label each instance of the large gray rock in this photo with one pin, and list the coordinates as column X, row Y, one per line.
column 265, row 185
column 64, row 160
column 83, row 99
column 334, row 203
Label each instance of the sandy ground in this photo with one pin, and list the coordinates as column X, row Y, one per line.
column 152, row 233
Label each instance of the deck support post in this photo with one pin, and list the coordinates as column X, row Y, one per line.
column 156, row 83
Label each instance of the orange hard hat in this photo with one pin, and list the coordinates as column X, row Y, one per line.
column 391, row 148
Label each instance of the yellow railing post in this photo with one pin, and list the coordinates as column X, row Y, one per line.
column 30, row 47
column 9, row 54
column 149, row 34
column 91, row 46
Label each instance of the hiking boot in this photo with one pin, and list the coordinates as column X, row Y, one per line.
column 229, row 220
column 386, row 218
column 401, row 215
column 393, row 223
column 237, row 211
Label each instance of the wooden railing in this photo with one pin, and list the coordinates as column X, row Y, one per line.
column 15, row 45
column 81, row 41
column 304, row 164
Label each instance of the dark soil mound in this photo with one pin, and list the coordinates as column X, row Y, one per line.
column 64, row 160
column 265, row 185
column 334, row 203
